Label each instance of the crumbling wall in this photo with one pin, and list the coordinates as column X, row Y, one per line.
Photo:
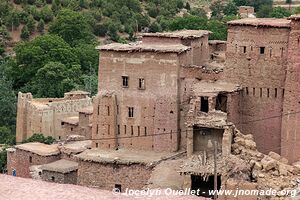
column 67, row 178
column 106, row 176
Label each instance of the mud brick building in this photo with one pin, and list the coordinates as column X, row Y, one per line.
column 45, row 115
column 61, row 171
column 262, row 56
column 26, row 155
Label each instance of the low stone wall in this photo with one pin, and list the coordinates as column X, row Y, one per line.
column 106, row 176
column 68, row 178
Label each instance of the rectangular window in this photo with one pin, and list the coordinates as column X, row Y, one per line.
column 275, row 92
column 30, row 159
column 262, row 50
column 125, row 81
column 130, row 111
column 268, row 92
column 117, row 109
column 98, row 110
column 131, row 130
column 125, row 129
column 139, row 131
column 108, row 111
column 96, row 145
column 204, row 104
column 108, row 129
column 119, row 132
column 141, row 83
column 253, row 91
column 145, row 130
column 244, row 49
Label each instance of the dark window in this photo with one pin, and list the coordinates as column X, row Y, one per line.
column 125, row 81
column 221, row 102
column 59, row 137
column 204, row 104
column 108, row 111
column 71, row 129
column 108, row 129
column 253, row 91
column 244, row 49
column 30, row 159
column 282, row 92
column 268, row 92
column 145, row 130
column 97, row 129
column 247, row 91
column 141, row 83
column 96, row 145
column 139, row 131
column 275, row 92
column 98, row 110
column 131, row 130
column 119, row 132
column 130, row 111
column 62, row 123
column 260, row 92
column 52, row 178
column 117, row 109
column 125, row 129
column 118, row 188
column 262, row 50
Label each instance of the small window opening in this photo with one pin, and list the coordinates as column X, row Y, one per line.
column 171, row 135
column 262, row 50
column 30, row 159
column 268, row 92
column 253, row 91
column 270, row 53
column 139, row 131
column 131, row 130
column 119, row 132
column 145, row 130
column 141, row 83
column 118, row 188
column 62, row 123
column 282, row 92
column 97, row 145
column 59, row 137
column 260, row 92
column 97, row 129
column 117, row 109
column 275, row 92
column 247, row 91
column 125, row 81
column 52, row 178
column 108, row 111
column 130, row 111
column 204, row 104
column 108, row 129
column 221, row 102
column 98, row 110
column 125, row 129
column 244, row 49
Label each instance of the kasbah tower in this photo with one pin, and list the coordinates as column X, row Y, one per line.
column 142, row 88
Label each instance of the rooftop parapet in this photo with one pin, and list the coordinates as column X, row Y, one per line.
column 182, row 34
column 261, row 22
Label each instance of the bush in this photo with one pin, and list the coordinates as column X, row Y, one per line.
column 25, row 33
column 39, row 137
column 41, row 26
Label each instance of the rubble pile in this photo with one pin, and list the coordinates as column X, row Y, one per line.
column 268, row 171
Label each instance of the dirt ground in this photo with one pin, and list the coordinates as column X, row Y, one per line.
column 15, row 188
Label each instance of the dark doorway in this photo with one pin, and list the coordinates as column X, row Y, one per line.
column 204, row 186
column 221, row 102
column 118, row 188
column 204, row 104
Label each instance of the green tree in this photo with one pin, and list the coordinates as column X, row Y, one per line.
column 3, row 160
column 264, row 11
column 41, row 26
column 241, row 2
column 33, row 55
column 88, row 57
column 25, row 33
column 47, row 14
column 280, row 12
column 30, row 25
column 54, row 79
column 188, row 22
column 39, row 137
column 230, row 9
column 72, row 27
column 217, row 8
column 12, row 20
column 155, row 27
column 200, row 12
column 297, row 10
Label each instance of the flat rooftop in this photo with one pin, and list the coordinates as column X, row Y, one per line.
column 74, row 120
column 182, row 34
column 87, row 110
column 124, row 156
column 75, row 147
column 39, row 148
column 261, row 22
column 214, row 87
column 140, row 47
column 61, row 166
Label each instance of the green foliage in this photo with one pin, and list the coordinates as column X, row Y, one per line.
column 72, row 27
column 264, row 11
column 200, row 12
column 54, row 79
column 39, row 137
column 12, row 20
column 217, row 8
column 230, row 9
column 7, row 136
column 25, row 33
column 47, row 14
column 297, row 10
column 88, row 57
column 3, row 160
column 155, row 27
column 41, row 26
column 30, row 25
column 33, row 55
column 280, row 12
column 188, row 22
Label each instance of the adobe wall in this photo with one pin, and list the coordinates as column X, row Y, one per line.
column 156, row 108
column 11, row 161
column 44, row 115
column 290, row 138
column 20, row 160
column 105, row 176
column 68, row 178
column 263, row 78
